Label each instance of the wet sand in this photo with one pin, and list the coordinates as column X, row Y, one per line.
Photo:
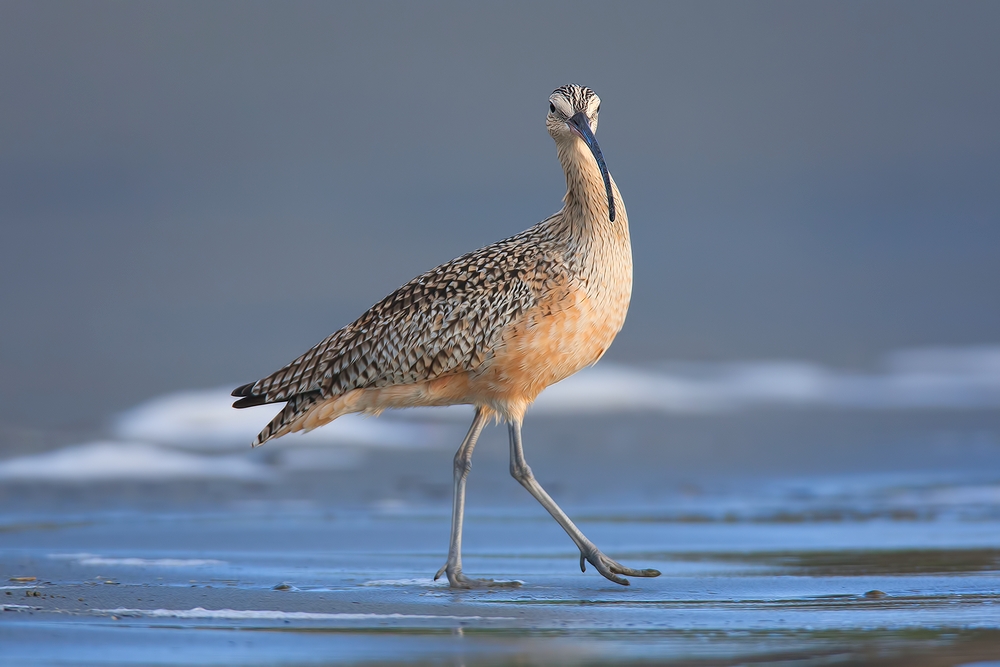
column 793, row 538
column 844, row 569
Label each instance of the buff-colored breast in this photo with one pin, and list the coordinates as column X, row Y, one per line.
column 570, row 329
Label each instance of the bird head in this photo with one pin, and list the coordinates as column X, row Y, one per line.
column 572, row 117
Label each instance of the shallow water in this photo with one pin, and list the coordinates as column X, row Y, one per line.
column 805, row 537
column 841, row 569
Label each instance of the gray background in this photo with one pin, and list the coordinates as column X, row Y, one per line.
column 194, row 193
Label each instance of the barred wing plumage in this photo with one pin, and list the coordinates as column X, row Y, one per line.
column 441, row 322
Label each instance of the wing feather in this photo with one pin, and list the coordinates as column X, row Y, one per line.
column 441, row 322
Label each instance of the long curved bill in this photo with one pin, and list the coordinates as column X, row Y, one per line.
column 579, row 124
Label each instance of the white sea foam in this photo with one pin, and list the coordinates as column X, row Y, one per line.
column 127, row 460
column 206, row 418
column 267, row 614
column 917, row 378
column 943, row 378
column 154, row 439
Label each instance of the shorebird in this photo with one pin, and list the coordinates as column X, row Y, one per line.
column 492, row 329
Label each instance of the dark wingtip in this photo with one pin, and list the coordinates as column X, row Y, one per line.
column 244, row 390
column 249, row 399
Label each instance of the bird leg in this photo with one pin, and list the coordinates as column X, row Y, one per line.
column 463, row 464
column 609, row 568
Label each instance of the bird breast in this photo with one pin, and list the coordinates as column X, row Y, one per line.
column 570, row 327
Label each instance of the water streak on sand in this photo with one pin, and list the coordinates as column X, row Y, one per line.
column 407, row 582
column 266, row 614
column 153, row 562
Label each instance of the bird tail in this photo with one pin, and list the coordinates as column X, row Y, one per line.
column 283, row 422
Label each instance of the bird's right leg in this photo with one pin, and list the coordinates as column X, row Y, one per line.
column 610, row 569
column 463, row 464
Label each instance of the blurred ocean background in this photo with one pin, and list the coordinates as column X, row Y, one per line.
column 802, row 409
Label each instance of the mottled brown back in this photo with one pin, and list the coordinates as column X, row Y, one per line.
column 444, row 321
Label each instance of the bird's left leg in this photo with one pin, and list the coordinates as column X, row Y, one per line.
column 520, row 470
column 462, row 466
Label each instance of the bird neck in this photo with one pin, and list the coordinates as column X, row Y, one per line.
column 586, row 201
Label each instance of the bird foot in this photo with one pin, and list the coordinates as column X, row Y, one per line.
column 610, row 569
column 458, row 580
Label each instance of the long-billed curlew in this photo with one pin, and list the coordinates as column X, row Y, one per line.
column 492, row 329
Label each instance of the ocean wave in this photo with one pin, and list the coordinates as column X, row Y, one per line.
column 159, row 439
column 127, row 460
column 931, row 378
column 924, row 378
column 205, row 419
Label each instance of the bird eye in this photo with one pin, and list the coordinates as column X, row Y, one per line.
column 552, row 108
column 598, row 109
